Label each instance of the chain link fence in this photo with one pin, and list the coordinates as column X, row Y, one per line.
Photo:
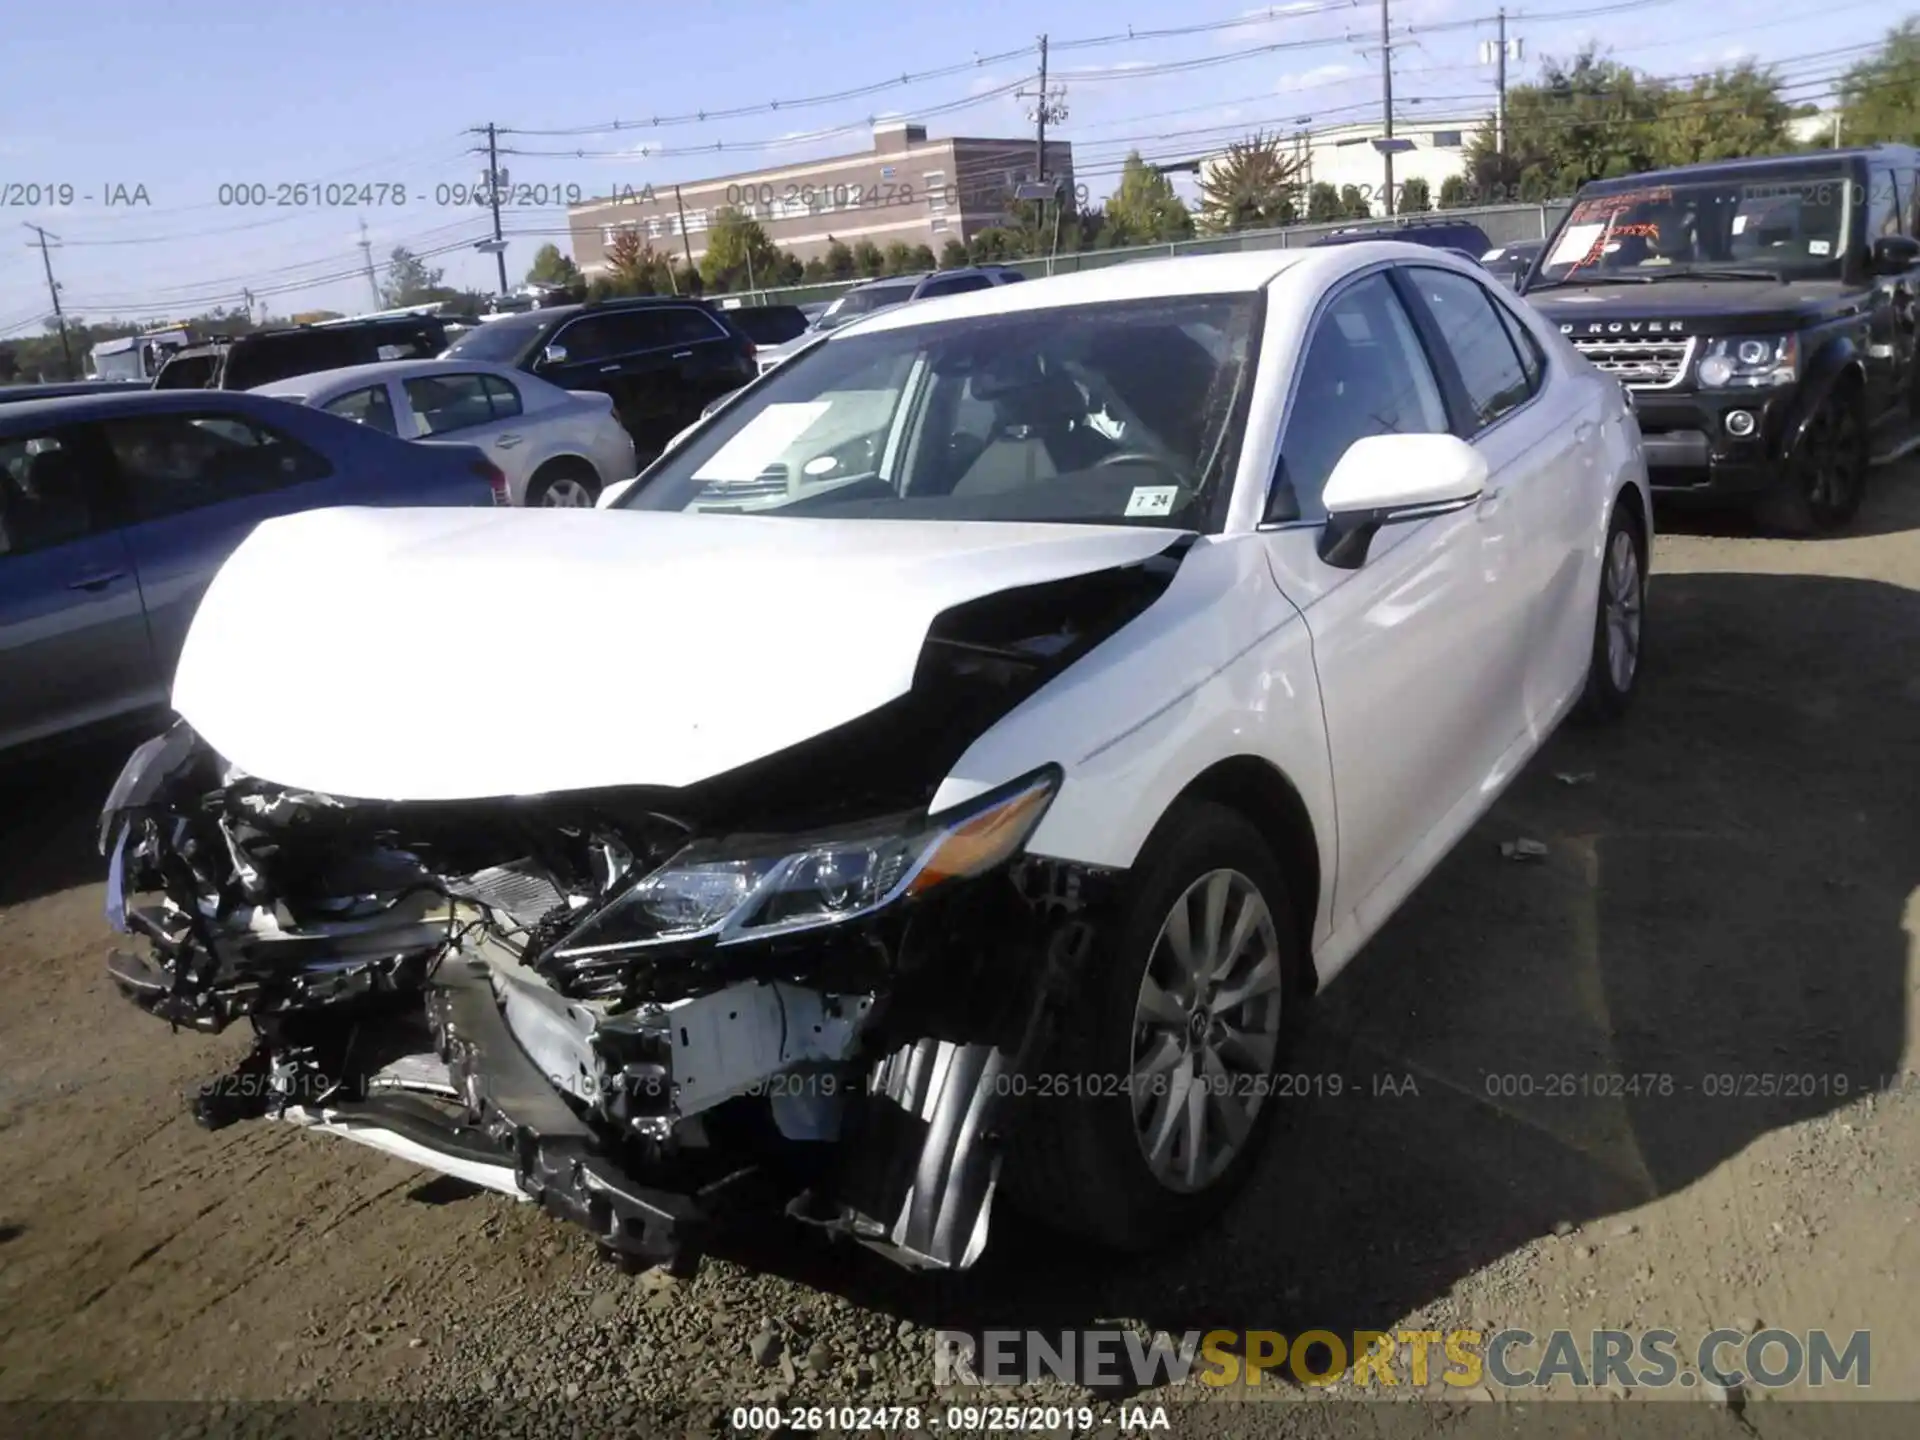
column 1503, row 224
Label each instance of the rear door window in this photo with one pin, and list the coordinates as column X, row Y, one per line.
column 444, row 403
column 504, row 398
column 371, row 407
column 169, row 464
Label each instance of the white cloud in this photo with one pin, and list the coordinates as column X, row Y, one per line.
column 1317, row 76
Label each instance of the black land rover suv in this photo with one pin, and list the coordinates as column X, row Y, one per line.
column 1761, row 314
column 660, row 358
column 261, row 357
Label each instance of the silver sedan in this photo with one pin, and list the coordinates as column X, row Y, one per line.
column 556, row 447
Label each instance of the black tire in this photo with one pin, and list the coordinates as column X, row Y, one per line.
column 1609, row 693
column 1826, row 480
column 560, row 476
column 1077, row 1162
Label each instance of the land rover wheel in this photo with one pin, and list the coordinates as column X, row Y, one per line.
column 1161, row 1087
column 1826, row 477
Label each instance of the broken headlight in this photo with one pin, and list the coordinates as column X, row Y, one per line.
column 751, row 890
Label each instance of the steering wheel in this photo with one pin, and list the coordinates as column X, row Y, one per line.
column 1137, row 457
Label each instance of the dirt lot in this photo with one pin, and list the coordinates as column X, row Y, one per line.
column 1729, row 892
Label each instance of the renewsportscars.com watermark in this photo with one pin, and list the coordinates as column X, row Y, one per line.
column 1512, row 1359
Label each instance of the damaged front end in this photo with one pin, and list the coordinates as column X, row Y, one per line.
column 653, row 1012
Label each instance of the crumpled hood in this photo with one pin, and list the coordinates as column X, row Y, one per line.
column 453, row 654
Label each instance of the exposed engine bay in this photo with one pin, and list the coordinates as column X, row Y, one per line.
column 788, row 989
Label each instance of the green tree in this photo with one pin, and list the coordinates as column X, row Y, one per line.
column 1323, row 202
column 993, row 246
column 1587, row 118
column 953, row 256
column 550, row 267
column 411, row 281
column 1354, row 204
column 1254, row 186
column 868, row 261
column 921, row 257
column 1880, row 96
column 898, row 258
column 814, row 269
column 634, row 268
column 1453, row 192
column 1413, row 198
column 840, row 265
column 1722, row 116
column 739, row 255
column 1144, row 208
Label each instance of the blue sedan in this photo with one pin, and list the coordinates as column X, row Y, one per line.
column 117, row 509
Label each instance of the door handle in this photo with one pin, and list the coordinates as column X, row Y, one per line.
column 98, row 583
column 683, row 354
column 609, row 369
column 506, row 442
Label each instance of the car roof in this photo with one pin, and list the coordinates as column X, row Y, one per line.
column 347, row 377
column 78, row 409
column 1679, row 174
column 1244, row 272
column 1239, row 273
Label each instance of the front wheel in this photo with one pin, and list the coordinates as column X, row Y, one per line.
column 1619, row 621
column 1826, row 480
column 1161, row 1086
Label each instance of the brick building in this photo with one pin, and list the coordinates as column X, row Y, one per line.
column 906, row 189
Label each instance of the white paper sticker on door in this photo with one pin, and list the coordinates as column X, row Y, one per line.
column 761, row 441
column 1152, row 500
column 1576, row 243
column 1819, row 247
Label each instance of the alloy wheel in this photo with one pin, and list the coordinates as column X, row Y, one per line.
column 568, row 492
column 1834, row 461
column 1622, row 597
column 1206, row 1030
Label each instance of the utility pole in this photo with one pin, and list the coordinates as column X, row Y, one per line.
column 53, row 289
column 1040, row 119
column 1500, row 105
column 1497, row 53
column 495, row 181
column 366, row 256
column 1047, row 106
column 686, row 244
column 1386, row 101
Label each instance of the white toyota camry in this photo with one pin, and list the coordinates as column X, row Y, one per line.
column 997, row 722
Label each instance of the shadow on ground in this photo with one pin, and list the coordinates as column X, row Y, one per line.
column 1722, row 899
column 50, row 799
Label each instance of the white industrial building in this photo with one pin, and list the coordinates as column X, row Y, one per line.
column 1346, row 155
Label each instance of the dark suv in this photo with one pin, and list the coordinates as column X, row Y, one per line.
column 1761, row 315
column 263, row 356
column 660, row 358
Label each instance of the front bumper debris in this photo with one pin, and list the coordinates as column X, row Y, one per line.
column 857, row 1081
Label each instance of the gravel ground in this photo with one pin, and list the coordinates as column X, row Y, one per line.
column 1728, row 890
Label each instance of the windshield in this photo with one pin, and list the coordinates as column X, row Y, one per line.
column 499, row 340
column 1795, row 222
column 855, row 303
column 1118, row 413
column 126, row 365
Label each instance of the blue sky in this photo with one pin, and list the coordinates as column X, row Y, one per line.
column 179, row 99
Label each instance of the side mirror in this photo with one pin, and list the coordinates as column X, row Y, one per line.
column 1383, row 479
column 614, row 491
column 554, row 355
column 1893, row 254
